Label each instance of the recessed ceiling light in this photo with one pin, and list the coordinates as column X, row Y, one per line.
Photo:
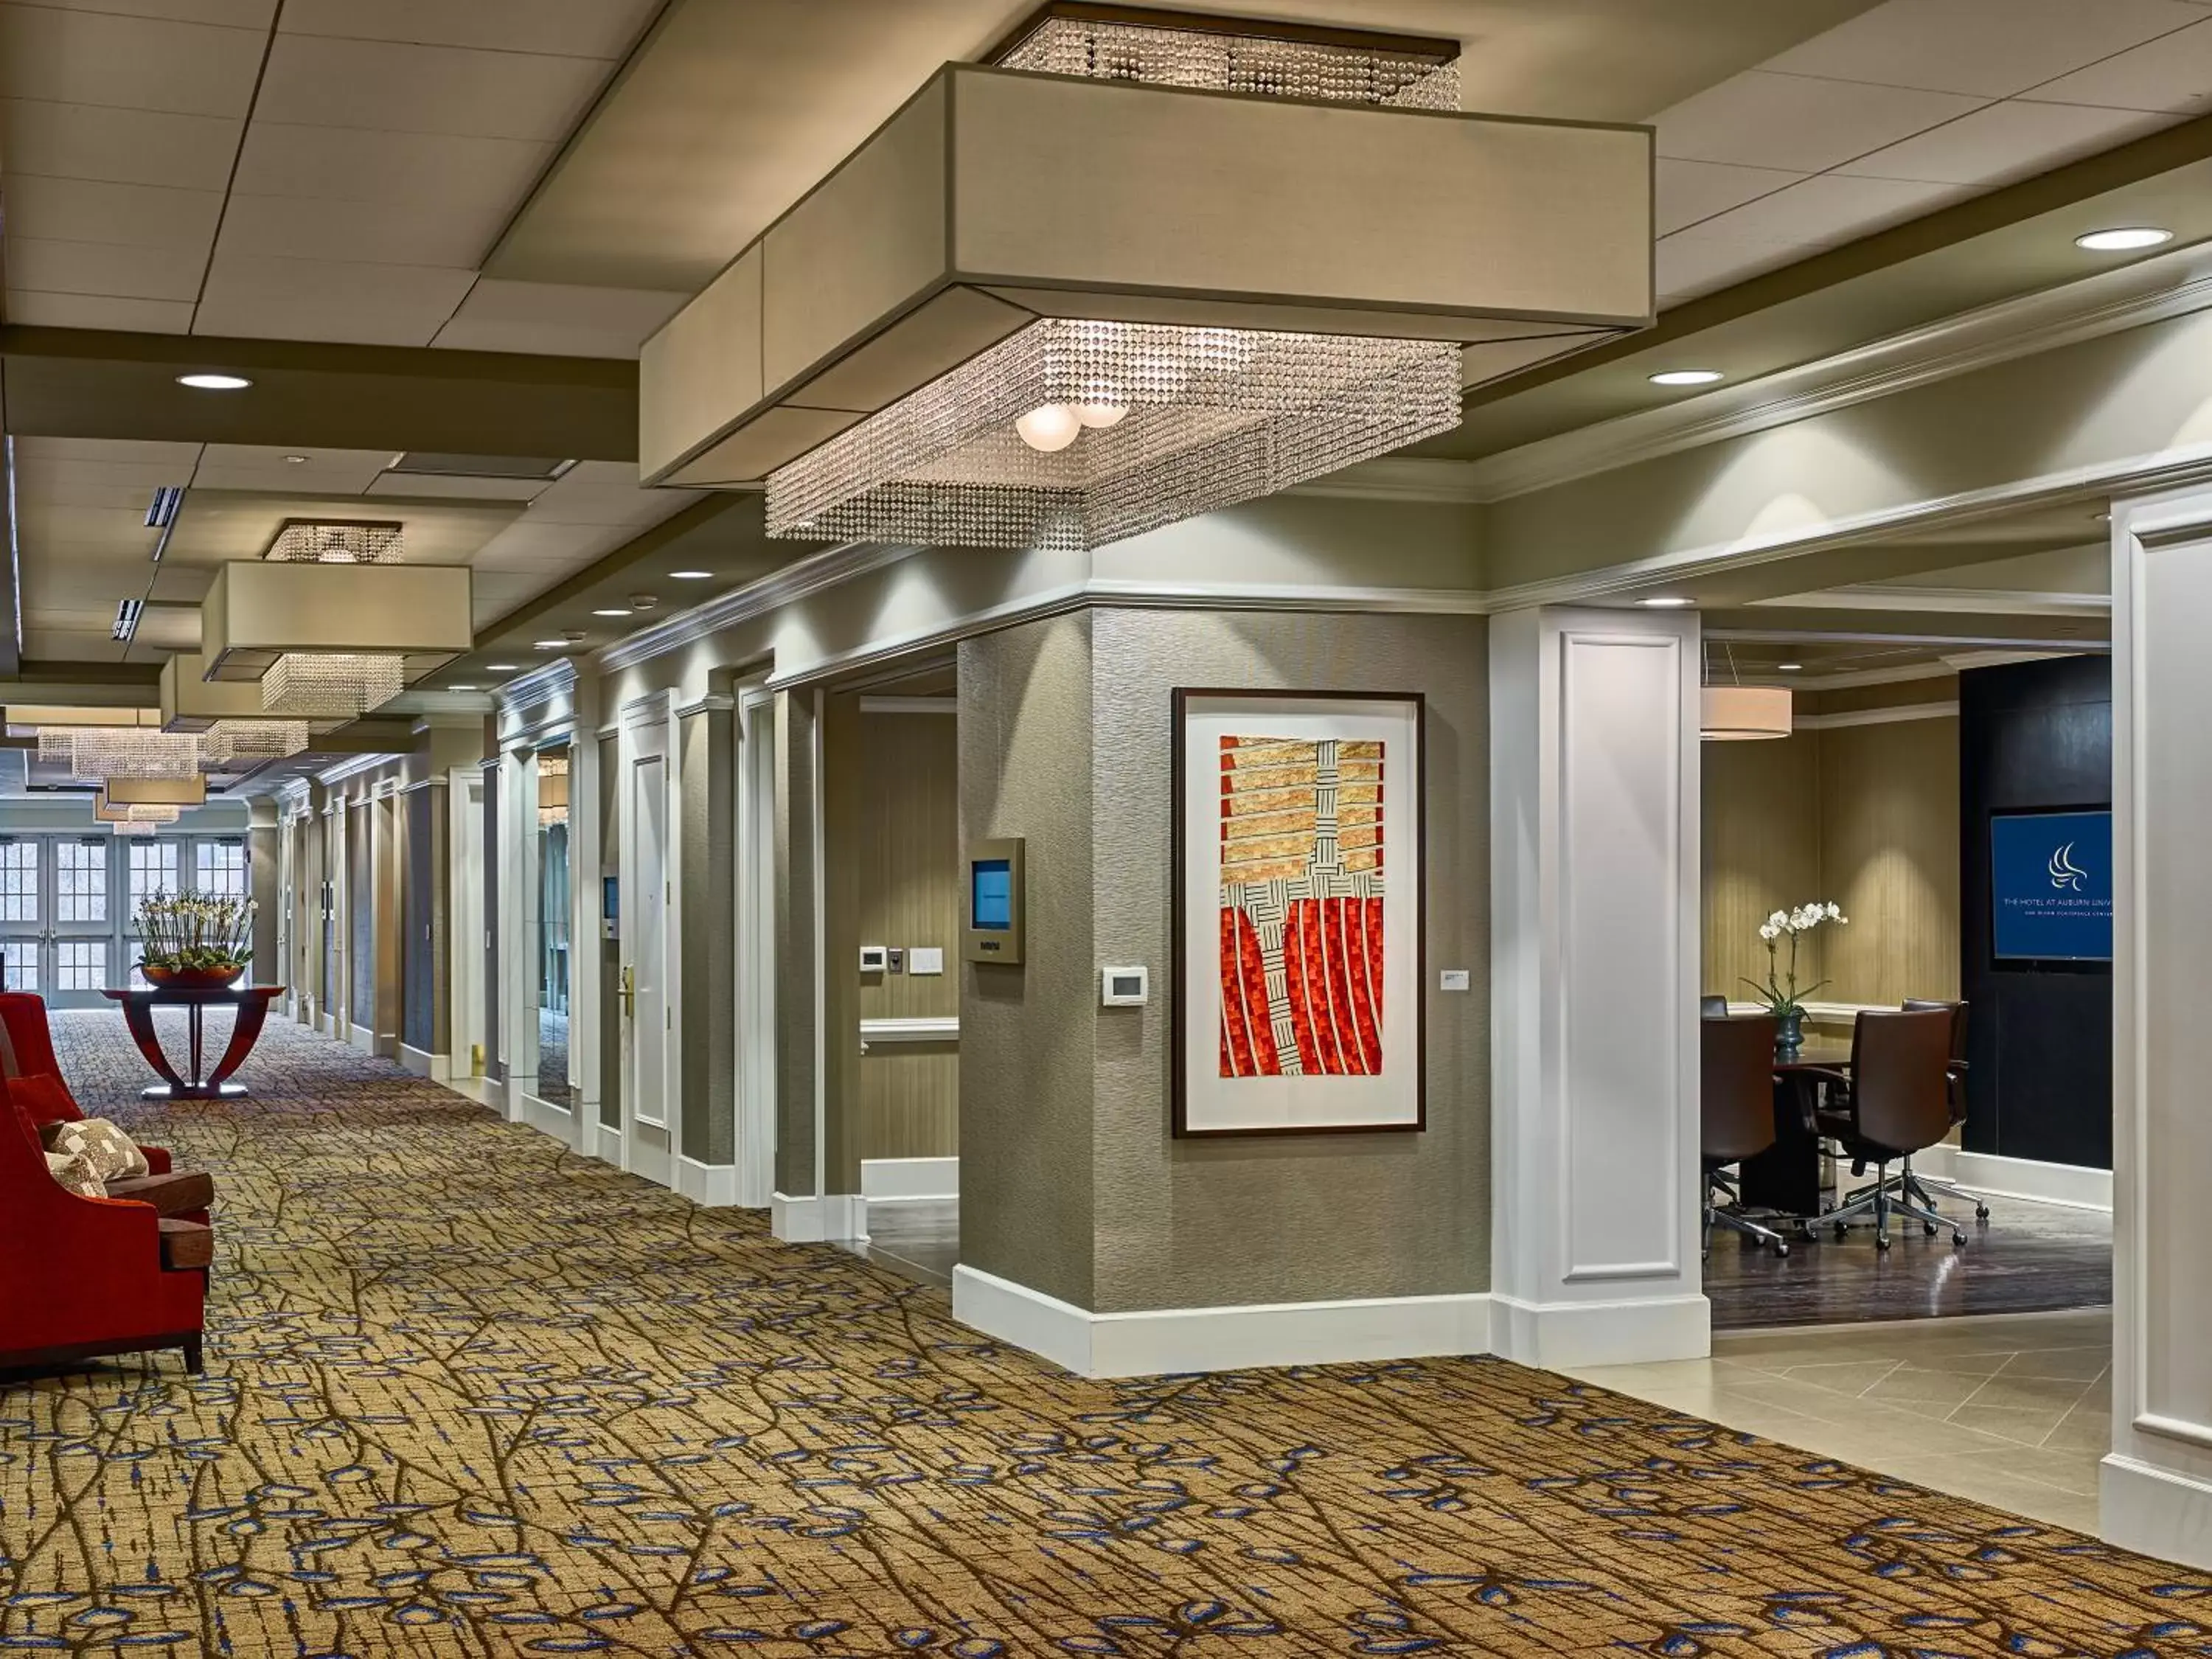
column 1667, row 601
column 1788, row 667
column 549, row 645
column 503, row 667
column 612, row 611
column 1687, row 377
column 461, row 687
column 295, row 460
column 215, row 382
column 2122, row 239
column 690, row 575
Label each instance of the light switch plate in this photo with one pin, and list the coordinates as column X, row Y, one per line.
column 1452, row 979
column 926, row 959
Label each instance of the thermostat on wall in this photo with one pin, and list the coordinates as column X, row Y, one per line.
column 1124, row 987
column 874, row 957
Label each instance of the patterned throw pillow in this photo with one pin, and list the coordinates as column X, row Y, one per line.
column 75, row 1172
column 110, row 1153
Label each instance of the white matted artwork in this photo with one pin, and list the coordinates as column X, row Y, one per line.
column 1299, row 881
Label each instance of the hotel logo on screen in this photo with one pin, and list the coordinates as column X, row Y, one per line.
column 2051, row 886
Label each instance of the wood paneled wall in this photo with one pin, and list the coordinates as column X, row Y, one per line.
column 900, row 847
column 1866, row 816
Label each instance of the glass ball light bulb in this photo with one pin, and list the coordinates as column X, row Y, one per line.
column 1049, row 428
column 1099, row 416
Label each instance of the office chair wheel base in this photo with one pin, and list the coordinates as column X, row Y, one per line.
column 1842, row 1229
column 1958, row 1237
column 1880, row 1243
column 1782, row 1247
column 1981, row 1213
column 1929, row 1227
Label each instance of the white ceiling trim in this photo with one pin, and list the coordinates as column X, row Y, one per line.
column 2150, row 290
column 781, row 587
column 1868, row 596
column 1915, row 711
column 1400, row 478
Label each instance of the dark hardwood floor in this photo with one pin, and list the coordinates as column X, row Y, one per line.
column 2026, row 1258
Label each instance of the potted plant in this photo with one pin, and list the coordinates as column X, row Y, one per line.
column 193, row 942
column 1781, row 994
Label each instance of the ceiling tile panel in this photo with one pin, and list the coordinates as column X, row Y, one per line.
column 106, row 452
column 128, row 63
column 322, row 300
column 545, row 317
column 2173, row 73
column 2005, row 142
column 1990, row 48
column 434, row 171
column 126, row 273
column 351, row 233
column 35, row 310
column 1796, row 122
column 568, row 29
column 226, row 13
column 1687, row 191
column 1829, row 208
column 337, row 472
column 458, row 487
column 317, row 81
column 131, row 147
column 86, row 211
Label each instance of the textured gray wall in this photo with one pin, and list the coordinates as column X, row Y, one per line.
column 1026, row 1034
column 1071, row 1180
column 422, row 961
column 264, row 880
column 794, row 943
column 360, row 910
column 710, row 988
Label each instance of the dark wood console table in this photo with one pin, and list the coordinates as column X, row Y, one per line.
column 252, row 1002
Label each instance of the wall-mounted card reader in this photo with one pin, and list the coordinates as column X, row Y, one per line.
column 610, row 908
column 1124, row 987
column 995, row 921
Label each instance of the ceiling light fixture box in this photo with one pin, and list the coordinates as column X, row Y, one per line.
column 260, row 611
column 1292, row 305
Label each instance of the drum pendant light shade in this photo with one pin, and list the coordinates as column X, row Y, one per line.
column 1737, row 713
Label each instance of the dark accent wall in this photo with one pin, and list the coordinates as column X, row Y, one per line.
column 420, row 983
column 2032, row 736
column 360, row 910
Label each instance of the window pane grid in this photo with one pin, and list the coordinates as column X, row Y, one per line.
column 18, row 881
column 81, row 878
column 153, row 869
column 220, row 870
column 81, row 964
column 22, row 956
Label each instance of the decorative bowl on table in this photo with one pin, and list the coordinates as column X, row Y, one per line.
column 193, row 979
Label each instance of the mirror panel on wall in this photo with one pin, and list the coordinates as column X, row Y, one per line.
column 555, row 958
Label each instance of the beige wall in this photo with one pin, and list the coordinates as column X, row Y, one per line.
column 1866, row 816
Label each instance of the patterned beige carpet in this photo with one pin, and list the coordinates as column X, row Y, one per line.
column 468, row 1394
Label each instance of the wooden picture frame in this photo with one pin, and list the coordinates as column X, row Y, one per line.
column 1308, row 894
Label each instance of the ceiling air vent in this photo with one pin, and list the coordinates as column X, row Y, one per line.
column 126, row 619
column 167, row 500
column 427, row 464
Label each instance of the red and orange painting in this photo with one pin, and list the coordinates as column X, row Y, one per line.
column 1301, row 908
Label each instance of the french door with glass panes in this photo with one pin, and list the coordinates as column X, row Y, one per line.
column 68, row 904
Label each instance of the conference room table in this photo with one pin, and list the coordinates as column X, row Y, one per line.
column 1786, row 1176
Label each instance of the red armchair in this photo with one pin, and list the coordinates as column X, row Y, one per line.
column 33, row 1076
column 82, row 1277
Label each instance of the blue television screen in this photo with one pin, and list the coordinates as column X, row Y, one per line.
column 993, row 905
column 2051, row 886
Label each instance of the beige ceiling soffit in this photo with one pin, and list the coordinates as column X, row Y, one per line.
column 1890, row 596
column 191, row 701
column 2179, row 468
column 1904, row 641
column 1079, row 194
column 35, row 713
column 670, row 529
column 794, row 582
column 1895, row 716
column 1399, row 478
column 101, row 685
column 2141, row 159
column 1855, row 678
column 2150, row 291
column 85, row 382
column 256, row 611
column 1964, row 661
column 156, row 792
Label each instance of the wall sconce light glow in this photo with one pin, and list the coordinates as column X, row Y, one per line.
column 690, row 575
column 612, row 611
column 215, row 382
column 2122, row 239
column 1666, row 602
column 1687, row 377
column 1050, row 428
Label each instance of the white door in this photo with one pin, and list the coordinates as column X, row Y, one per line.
column 757, row 953
column 648, row 1126
column 465, row 939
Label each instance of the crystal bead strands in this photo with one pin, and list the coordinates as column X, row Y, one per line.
column 1221, row 61
column 95, row 752
column 251, row 740
column 1124, row 427
column 319, row 541
column 331, row 686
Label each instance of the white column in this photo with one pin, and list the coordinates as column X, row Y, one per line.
column 2157, row 1484
column 1595, row 962
column 518, row 926
column 586, row 840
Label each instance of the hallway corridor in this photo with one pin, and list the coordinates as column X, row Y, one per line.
column 467, row 1393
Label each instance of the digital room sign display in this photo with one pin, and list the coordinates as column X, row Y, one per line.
column 2051, row 886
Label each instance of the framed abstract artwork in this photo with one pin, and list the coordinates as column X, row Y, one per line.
column 1299, row 899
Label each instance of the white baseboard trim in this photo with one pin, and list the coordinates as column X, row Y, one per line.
column 327, row 1025
column 544, row 1115
column 1558, row 1335
column 714, row 1185
column 436, row 1067
column 906, row 1180
column 2155, row 1511
column 816, row 1218
column 1169, row 1340
column 2070, row 1184
column 605, row 1142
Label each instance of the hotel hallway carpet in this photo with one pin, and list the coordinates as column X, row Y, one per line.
column 469, row 1394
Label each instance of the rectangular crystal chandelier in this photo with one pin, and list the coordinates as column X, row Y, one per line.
column 337, row 541
column 1073, row 434
column 251, row 740
column 1232, row 55
column 319, row 685
column 92, row 753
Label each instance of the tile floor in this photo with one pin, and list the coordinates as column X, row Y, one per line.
column 2013, row 1410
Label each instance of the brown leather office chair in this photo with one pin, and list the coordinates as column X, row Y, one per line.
column 1735, row 1114
column 1921, row 1184
column 1712, row 1007
column 1896, row 1101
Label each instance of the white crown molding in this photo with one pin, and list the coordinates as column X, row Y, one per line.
column 713, row 703
column 2149, row 291
column 794, row 581
column 1899, row 715
column 1995, row 602
column 353, row 767
column 1400, row 478
column 539, row 686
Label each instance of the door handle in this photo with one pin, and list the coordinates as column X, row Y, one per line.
column 629, row 992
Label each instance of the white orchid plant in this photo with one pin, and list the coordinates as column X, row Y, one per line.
column 1781, row 994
